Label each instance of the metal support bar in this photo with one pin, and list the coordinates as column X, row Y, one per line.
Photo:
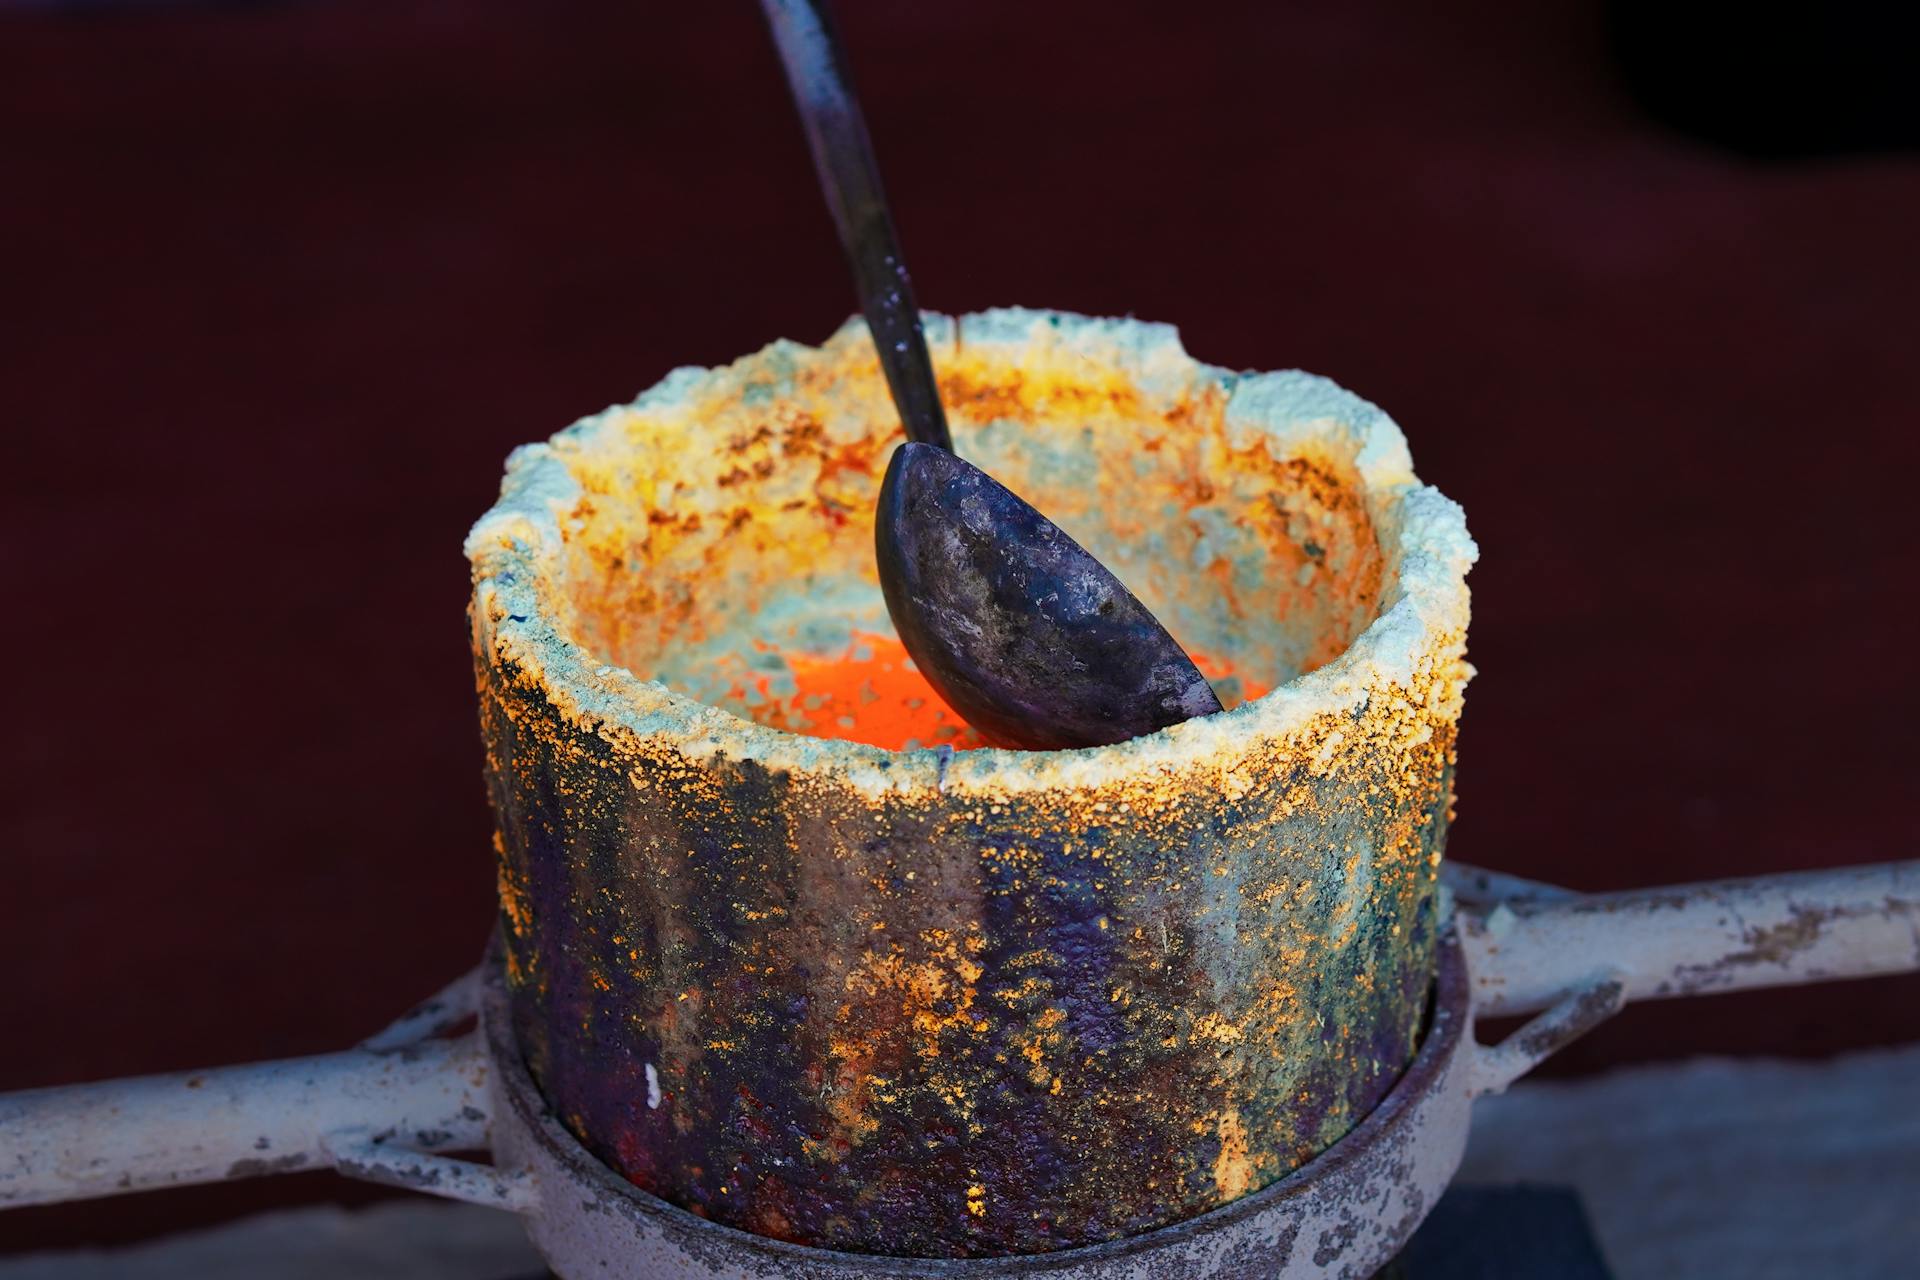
column 381, row 1113
column 1578, row 1012
column 1766, row 931
column 361, row 1155
column 81, row 1141
column 438, row 1014
column 1478, row 887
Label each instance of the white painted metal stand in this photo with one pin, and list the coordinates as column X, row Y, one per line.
column 390, row 1110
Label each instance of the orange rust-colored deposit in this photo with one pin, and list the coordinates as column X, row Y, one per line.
column 1262, row 559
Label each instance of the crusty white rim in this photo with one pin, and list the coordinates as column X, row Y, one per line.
column 1426, row 599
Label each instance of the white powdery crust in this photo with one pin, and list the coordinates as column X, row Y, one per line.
column 1420, row 630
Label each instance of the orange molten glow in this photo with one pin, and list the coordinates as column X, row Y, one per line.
column 873, row 693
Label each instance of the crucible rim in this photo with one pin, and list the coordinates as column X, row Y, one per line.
column 1423, row 607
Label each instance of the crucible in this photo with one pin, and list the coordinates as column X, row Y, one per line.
column 903, row 996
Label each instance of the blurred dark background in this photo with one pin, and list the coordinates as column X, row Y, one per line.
column 283, row 283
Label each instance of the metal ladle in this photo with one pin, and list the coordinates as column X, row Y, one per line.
column 1023, row 632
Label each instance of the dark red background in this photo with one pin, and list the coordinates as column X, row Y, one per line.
column 282, row 285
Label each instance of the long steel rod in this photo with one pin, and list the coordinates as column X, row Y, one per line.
column 76, row 1142
column 1729, row 935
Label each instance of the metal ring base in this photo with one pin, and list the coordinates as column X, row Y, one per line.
column 1344, row 1214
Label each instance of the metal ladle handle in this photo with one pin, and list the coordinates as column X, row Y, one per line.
column 843, row 157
